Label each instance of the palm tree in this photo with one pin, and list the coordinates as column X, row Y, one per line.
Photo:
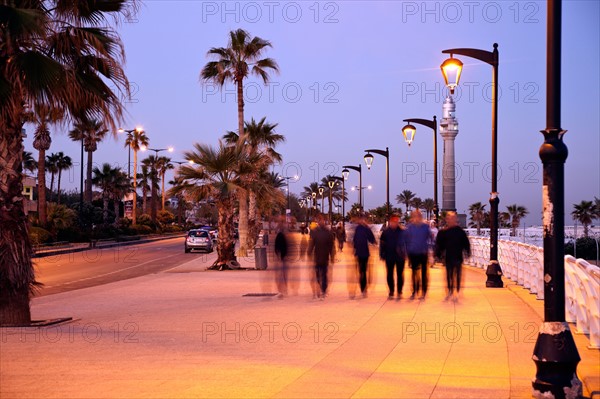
column 66, row 56
column 584, row 213
column 261, row 139
column 136, row 141
column 309, row 190
column 63, row 162
column 216, row 175
column 91, row 131
column 164, row 164
column 429, row 206
column 106, row 178
column 29, row 163
column 177, row 187
column 516, row 212
column 143, row 180
column 405, row 197
column 52, row 168
column 152, row 163
column 120, row 187
column 596, row 208
column 417, row 203
column 477, row 213
column 336, row 191
column 234, row 63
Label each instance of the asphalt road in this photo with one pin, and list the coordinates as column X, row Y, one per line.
column 78, row 270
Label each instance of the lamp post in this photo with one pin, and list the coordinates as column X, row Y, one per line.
column 321, row 193
column 451, row 69
column 343, row 180
column 369, row 162
column 555, row 353
column 129, row 136
column 346, row 173
column 331, row 184
column 287, row 180
column 360, row 191
column 314, row 200
column 133, row 143
column 408, row 132
column 154, row 172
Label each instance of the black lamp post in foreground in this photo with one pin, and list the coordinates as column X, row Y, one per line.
column 409, row 134
column 451, row 69
column 369, row 162
column 555, row 354
column 346, row 173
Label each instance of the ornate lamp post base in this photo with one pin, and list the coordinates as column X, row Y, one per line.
column 494, row 275
column 555, row 356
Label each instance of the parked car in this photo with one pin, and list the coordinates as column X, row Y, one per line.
column 212, row 231
column 198, row 239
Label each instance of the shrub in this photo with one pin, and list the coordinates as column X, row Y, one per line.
column 141, row 229
column 172, row 228
column 38, row 235
column 165, row 217
column 586, row 248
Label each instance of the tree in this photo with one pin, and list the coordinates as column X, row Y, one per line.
column 336, row 191
column 405, row 197
column 92, row 132
column 121, row 186
column 429, row 206
column 516, row 212
column 136, row 141
column 417, row 203
column 152, row 163
column 308, row 192
column 217, row 174
column 584, row 212
column 63, row 162
column 29, row 163
column 143, row 180
column 477, row 214
column 596, row 208
column 106, row 178
column 52, row 168
column 234, row 63
column 63, row 55
column 163, row 164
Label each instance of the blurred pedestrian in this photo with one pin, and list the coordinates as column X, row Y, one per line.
column 393, row 251
column 451, row 245
column 282, row 251
column 340, row 235
column 434, row 233
column 418, row 238
column 363, row 236
column 321, row 247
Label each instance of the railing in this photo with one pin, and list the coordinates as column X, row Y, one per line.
column 524, row 264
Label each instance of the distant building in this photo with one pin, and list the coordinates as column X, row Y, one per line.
column 29, row 186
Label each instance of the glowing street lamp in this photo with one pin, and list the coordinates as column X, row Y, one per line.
column 408, row 132
column 369, row 161
column 451, row 69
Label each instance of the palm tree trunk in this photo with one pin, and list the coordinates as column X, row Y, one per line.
column 163, row 191
column 225, row 240
column 145, row 200
column 134, row 211
column 42, row 207
column 253, row 225
column 51, row 185
column 16, row 270
column 243, row 223
column 116, row 208
column 105, row 209
column 478, row 228
column 153, row 200
column 88, row 182
column 58, row 187
column 585, row 230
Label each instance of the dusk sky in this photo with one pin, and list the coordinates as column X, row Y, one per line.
column 351, row 71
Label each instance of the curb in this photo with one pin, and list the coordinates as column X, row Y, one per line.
column 116, row 244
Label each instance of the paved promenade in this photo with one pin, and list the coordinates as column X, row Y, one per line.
column 190, row 333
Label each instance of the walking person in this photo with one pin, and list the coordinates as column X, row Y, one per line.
column 451, row 245
column 393, row 251
column 340, row 235
column 418, row 238
column 282, row 250
column 363, row 236
column 321, row 247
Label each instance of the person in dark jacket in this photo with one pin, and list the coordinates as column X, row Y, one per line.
column 363, row 236
column 417, row 246
column 451, row 244
column 282, row 250
column 321, row 247
column 392, row 250
column 340, row 234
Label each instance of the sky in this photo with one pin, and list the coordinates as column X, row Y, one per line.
column 351, row 71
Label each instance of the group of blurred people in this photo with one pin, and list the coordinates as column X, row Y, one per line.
column 398, row 245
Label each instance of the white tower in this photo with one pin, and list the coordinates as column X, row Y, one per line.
column 448, row 131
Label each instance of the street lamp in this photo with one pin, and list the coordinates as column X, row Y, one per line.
column 451, row 69
column 129, row 136
column 555, row 353
column 360, row 191
column 343, row 195
column 346, row 173
column 409, row 131
column 133, row 143
column 331, row 184
column 369, row 162
column 321, row 192
column 287, row 180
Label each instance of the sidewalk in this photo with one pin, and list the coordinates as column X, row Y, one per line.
column 188, row 333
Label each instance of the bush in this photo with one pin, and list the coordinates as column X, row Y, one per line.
column 165, row 217
column 142, row 229
column 38, row 235
column 586, row 248
column 172, row 228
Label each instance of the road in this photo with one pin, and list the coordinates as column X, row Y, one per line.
column 78, row 270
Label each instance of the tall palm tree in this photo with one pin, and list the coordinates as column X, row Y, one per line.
column 405, row 197
column 429, row 206
column 144, row 181
column 234, row 63
column 121, row 186
column 261, row 139
column 216, row 175
column 92, row 132
column 29, row 162
column 516, row 212
column 52, row 168
column 152, row 163
column 164, row 164
column 64, row 55
column 63, row 162
column 106, row 178
column 137, row 140
column 477, row 213
column 584, row 212
column 417, row 203
column 177, row 186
